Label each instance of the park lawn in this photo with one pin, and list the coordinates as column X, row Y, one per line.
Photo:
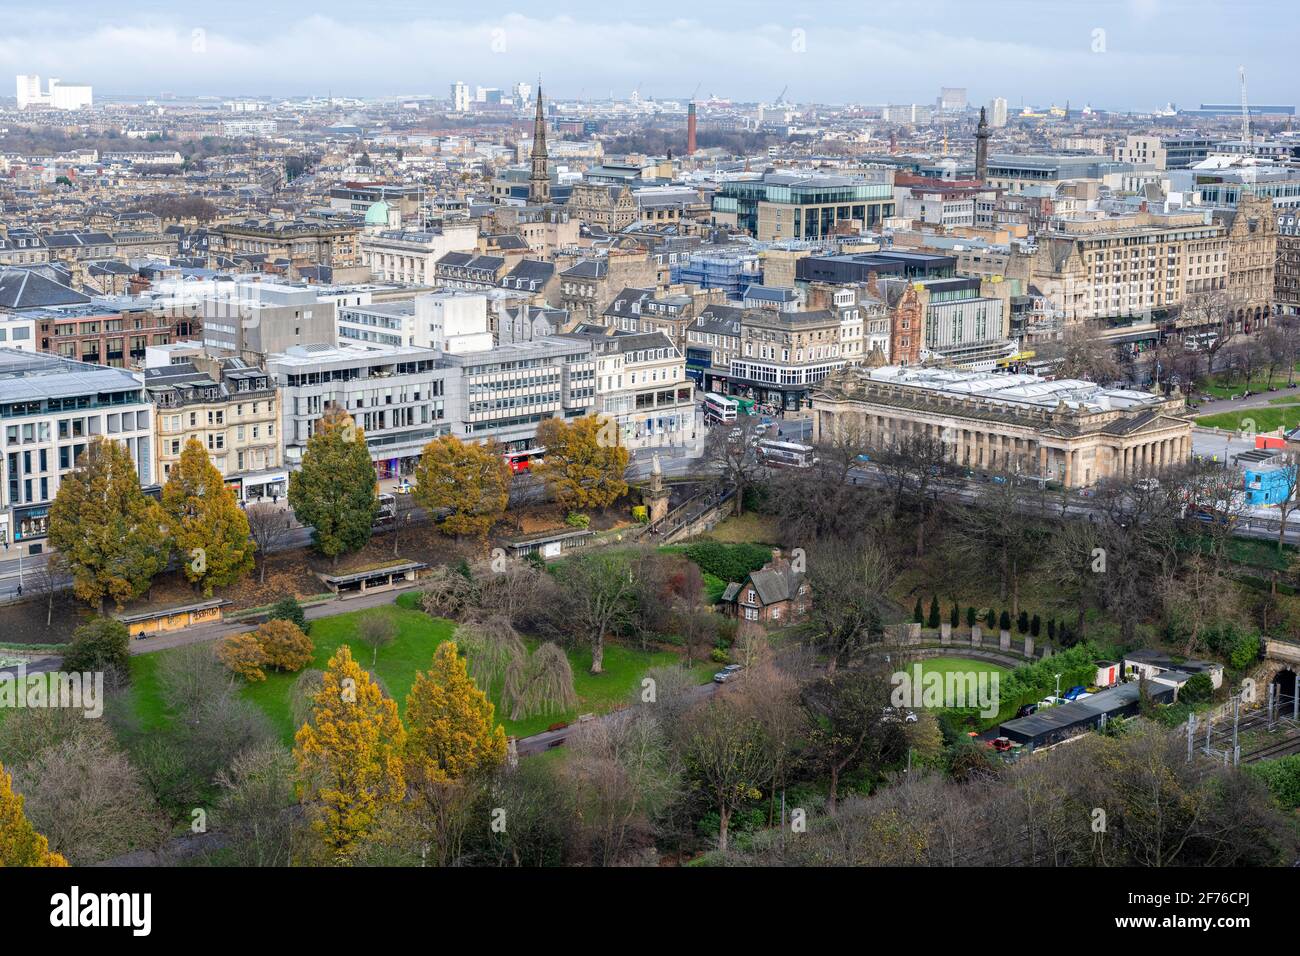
column 1285, row 400
column 966, row 665
column 1258, row 383
column 749, row 528
column 1266, row 419
column 418, row 635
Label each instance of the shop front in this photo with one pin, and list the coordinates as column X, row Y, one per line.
column 262, row 486
column 31, row 523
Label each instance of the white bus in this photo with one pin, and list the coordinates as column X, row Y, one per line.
column 719, row 408
column 786, row 454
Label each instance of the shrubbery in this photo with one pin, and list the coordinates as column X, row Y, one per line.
column 98, row 645
column 1282, row 777
column 288, row 609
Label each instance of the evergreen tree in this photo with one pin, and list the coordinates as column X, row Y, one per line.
column 1022, row 622
column 288, row 609
column 1004, row 621
column 107, row 531
column 1051, row 628
column 918, row 615
column 1035, row 625
column 971, row 616
column 349, row 757
column 334, row 490
column 991, row 619
column 954, row 619
column 206, row 524
column 452, row 731
column 932, row 621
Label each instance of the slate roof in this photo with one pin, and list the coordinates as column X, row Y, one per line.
column 587, row 269
column 529, row 275
column 28, row 289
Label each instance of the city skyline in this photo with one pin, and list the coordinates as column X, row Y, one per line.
column 1125, row 55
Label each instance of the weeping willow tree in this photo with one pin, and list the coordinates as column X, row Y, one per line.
column 491, row 644
column 539, row 683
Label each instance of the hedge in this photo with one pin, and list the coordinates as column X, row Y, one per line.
column 730, row 562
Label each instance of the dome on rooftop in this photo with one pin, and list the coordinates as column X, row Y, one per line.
column 377, row 214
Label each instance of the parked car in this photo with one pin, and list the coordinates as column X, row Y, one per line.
column 1074, row 692
column 1026, row 710
column 726, row 674
column 1000, row 744
column 893, row 714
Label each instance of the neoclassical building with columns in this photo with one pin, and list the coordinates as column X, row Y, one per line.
column 1070, row 431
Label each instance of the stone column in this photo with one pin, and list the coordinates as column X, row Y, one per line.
column 1004, row 640
column 975, row 635
column 1029, row 645
column 945, row 633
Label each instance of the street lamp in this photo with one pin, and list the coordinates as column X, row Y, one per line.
column 1058, row 685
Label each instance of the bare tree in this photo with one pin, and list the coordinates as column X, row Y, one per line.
column 45, row 582
column 1082, row 353
column 731, row 450
column 1289, row 464
column 850, row 584
column 376, row 631
column 269, row 526
column 726, row 754
column 998, row 524
column 913, row 465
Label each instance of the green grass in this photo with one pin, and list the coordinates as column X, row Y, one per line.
column 966, row 665
column 1258, row 383
column 418, row 635
column 948, row 665
column 1266, row 419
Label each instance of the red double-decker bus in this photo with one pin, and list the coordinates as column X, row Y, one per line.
column 523, row 459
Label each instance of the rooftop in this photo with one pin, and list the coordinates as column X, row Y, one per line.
column 1020, row 389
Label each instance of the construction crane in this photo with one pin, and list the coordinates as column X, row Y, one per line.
column 695, row 92
column 780, row 97
column 1245, row 110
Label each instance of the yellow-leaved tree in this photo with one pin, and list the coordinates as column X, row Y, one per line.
column 206, row 524
column 349, row 757
column 20, row 844
column 584, row 462
column 452, row 728
column 469, row 481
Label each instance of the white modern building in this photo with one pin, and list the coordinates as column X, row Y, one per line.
column 460, row 96
column 59, row 95
column 18, row 332
column 50, row 409
column 448, row 321
column 399, row 395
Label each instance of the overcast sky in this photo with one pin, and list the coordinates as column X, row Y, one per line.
column 1119, row 54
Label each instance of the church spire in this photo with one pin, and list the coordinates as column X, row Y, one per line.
column 539, row 180
column 982, row 147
